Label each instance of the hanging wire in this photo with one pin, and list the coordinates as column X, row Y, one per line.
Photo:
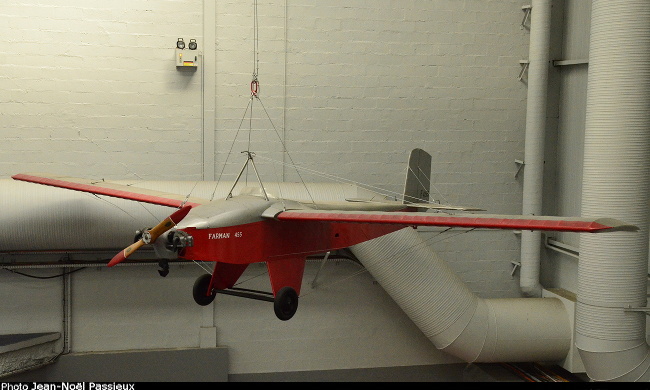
column 106, row 152
column 232, row 145
column 284, row 149
column 255, row 84
column 337, row 281
column 199, row 263
column 407, row 251
column 256, row 61
column 255, row 88
column 255, row 96
column 377, row 190
column 417, row 177
column 265, row 272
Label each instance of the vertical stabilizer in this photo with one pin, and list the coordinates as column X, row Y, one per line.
column 418, row 177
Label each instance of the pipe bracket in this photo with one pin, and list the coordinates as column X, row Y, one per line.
column 581, row 61
column 514, row 268
column 643, row 309
column 520, row 165
column 527, row 9
column 524, row 67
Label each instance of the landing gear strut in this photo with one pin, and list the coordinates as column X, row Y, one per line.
column 285, row 302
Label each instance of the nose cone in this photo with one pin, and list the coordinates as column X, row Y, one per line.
column 171, row 244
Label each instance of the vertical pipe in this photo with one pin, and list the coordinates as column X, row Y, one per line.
column 540, row 35
column 208, row 87
column 612, row 272
column 67, row 311
column 284, row 91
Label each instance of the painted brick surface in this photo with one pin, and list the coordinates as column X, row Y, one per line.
column 91, row 86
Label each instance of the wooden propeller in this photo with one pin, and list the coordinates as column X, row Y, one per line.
column 150, row 236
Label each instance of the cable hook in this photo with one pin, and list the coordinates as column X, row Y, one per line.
column 255, row 87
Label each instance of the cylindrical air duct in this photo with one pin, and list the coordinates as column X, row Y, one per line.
column 613, row 268
column 453, row 317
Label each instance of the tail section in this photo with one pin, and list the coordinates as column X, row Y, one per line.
column 418, row 177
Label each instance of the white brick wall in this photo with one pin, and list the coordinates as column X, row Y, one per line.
column 89, row 88
column 438, row 75
column 89, row 85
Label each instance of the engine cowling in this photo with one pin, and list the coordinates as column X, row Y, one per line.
column 170, row 244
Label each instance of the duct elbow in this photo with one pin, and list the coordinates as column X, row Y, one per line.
column 513, row 330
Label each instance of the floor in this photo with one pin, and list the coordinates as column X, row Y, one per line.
column 483, row 372
column 125, row 363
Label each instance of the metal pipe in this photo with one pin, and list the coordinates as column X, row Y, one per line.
column 531, row 242
column 67, row 312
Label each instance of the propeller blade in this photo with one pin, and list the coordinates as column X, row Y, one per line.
column 169, row 222
column 120, row 257
column 152, row 235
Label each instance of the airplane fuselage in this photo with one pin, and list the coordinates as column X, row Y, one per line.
column 234, row 231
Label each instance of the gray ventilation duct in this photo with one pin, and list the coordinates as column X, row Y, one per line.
column 613, row 268
column 454, row 318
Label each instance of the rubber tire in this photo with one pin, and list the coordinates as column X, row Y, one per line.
column 200, row 287
column 285, row 303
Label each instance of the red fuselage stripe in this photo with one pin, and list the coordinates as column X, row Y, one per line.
column 268, row 240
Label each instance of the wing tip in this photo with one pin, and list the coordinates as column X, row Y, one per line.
column 21, row 176
column 615, row 225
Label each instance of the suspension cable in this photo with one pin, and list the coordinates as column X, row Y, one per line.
column 256, row 49
column 255, row 95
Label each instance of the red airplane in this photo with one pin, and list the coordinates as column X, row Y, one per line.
column 255, row 227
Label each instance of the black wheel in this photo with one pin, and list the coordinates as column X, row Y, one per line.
column 200, row 288
column 285, row 303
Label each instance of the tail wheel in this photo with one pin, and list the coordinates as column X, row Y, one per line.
column 285, row 303
column 200, row 290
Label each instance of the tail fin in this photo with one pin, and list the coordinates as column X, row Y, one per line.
column 418, row 177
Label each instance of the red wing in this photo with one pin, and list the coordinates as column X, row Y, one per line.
column 111, row 189
column 508, row 222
